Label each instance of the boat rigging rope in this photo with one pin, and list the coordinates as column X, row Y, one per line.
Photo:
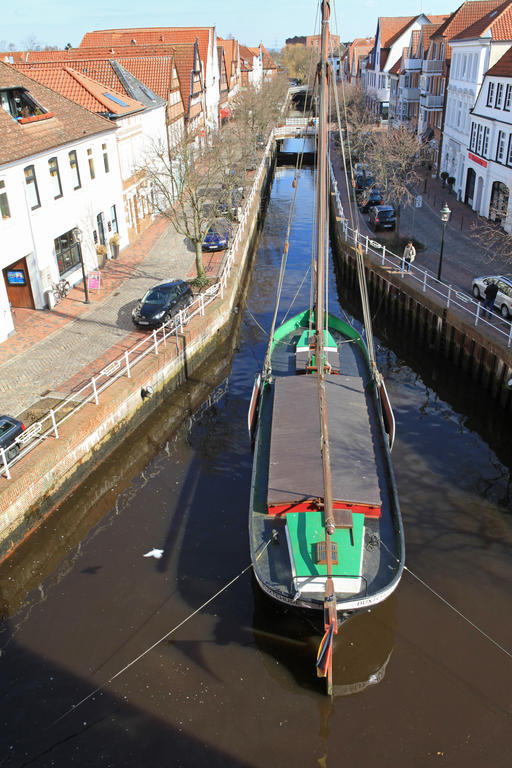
column 230, row 583
column 450, row 605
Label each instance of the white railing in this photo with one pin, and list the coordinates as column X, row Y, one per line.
column 169, row 332
column 432, row 65
column 449, row 296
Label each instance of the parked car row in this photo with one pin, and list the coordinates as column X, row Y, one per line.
column 371, row 201
column 10, row 429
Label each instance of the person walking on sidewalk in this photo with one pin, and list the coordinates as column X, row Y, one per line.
column 409, row 255
column 490, row 297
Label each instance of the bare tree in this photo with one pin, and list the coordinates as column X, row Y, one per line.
column 493, row 235
column 394, row 158
column 299, row 61
column 186, row 190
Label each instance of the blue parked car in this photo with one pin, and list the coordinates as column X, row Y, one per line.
column 216, row 239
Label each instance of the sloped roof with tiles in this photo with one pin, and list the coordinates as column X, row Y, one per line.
column 268, row 61
column 151, row 36
column 360, row 47
column 497, row 22
column 231, row 49
column 391, row 27
column 246, row 57
column 81, row 89
column 144, row 67
column 465, row 15
column 68, row 122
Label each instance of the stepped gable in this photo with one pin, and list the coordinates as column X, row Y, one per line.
column 64, row 121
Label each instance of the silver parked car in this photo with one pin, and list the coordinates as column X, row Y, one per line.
column 503, row 301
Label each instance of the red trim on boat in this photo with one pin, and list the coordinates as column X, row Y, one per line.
column 368, row 510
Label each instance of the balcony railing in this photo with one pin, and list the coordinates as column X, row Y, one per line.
column 432, row 66
column 412, row 65
column 410, row 94
column 431, row 101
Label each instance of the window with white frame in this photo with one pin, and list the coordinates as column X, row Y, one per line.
column 485, row 147
column 475, row 67
column 91, row 163
column 105, row 158
column 499, row 96
column 472, row 138
column 479, row 139
column 75, row 171
column 463, row 73
column 31, row 185
column 490, row 94
column 508, row 94
column 509, row 152
column 500, row 147
column 53, row 168
column 5, row 211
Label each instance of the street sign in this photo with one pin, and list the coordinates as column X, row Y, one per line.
column 418, row 201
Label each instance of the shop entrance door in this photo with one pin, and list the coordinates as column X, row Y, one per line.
column 17, row 282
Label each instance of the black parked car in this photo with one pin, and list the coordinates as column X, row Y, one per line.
column 370, row 198
column 382, row 217
column 162, row 302
column 363, row 183
column 9, row 430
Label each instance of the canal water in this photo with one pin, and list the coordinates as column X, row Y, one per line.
column 232, row 681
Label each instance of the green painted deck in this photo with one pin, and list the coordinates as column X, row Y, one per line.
column 306, row 528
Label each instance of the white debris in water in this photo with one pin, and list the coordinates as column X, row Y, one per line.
column 154, row 553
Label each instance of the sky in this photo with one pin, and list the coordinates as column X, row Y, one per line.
column 57, row 22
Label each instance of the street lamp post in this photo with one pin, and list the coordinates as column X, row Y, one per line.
column 77, row 234
column 445, row 215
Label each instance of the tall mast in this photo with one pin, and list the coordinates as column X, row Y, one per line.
column 321, row 196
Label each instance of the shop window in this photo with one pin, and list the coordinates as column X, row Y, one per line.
column 5, row 211
column 67, row 252
column 91, row 164
column 75, row 171
column 32, row 190
column 53, row 167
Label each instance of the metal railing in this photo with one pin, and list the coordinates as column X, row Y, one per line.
column 449, row 296
column 48, row 426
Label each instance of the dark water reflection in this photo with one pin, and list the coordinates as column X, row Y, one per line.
column 235, row 686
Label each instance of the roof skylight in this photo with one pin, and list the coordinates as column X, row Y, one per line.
column 115, row 99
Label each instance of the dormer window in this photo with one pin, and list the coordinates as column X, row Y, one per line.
column 20, row 104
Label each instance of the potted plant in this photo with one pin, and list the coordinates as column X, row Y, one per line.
column 444, row 176
column 451, row 182
column 114, row 244
column 101, row 251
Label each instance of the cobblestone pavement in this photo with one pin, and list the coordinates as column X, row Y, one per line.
column 42, row 356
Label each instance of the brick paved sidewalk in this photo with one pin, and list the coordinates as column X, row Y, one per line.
column 52, row 348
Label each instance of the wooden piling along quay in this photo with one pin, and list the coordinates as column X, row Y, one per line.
column 458, row 343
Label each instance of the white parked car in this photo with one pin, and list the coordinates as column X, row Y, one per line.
column 503, row 301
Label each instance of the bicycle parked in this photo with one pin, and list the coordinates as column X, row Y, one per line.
column 60, row 290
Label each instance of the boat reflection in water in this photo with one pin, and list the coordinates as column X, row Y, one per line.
column 289, row 639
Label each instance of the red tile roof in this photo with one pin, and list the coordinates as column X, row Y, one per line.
column 498, row 21
column 151, row 36
column 391, row 28
column 80, row 88
column 246, row 57
column 465, row 15
column 268, row 61
column 70, row 122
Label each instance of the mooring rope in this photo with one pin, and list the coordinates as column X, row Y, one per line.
column 452, row 607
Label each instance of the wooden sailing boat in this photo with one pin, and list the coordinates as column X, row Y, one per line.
column 325, row 525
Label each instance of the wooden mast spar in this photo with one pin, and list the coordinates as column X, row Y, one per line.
column 330, row 616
